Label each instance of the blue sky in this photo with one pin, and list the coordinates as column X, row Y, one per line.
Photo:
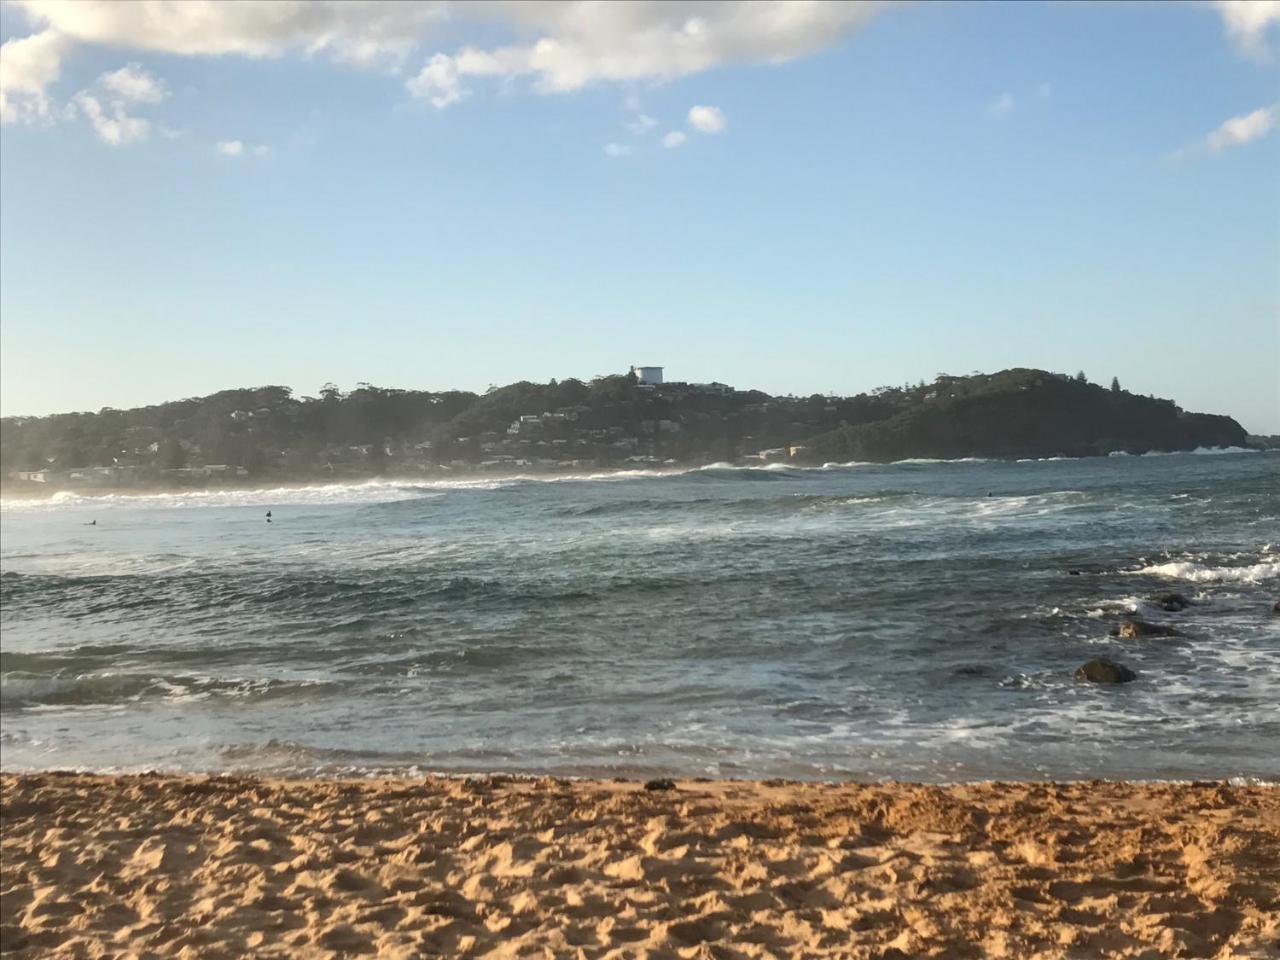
column 200, row 196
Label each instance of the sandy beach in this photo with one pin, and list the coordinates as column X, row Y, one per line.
column 159, row 866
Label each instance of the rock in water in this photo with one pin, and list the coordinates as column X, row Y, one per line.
column 1171, row 602
column 1103, row 670
column 1132, row 629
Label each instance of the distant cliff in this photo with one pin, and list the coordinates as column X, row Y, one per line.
column 268, row 433
column 1025, row 413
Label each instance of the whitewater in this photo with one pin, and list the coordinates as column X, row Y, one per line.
column 916, row 620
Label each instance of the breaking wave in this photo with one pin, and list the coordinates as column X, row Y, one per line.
column 1200, row 573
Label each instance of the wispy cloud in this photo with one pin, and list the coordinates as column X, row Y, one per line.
column 107, row 104
column 616, row 150
column 1248, row 23
column 1001, row 106
column 438, row 82
column 114, row 126
column 238, row 148
column 367, row 34
column 560, row 47
column 135, row 84
column 1231, row 133
column 28, row 65
column 674, row 139
column 581, row 43
column 1242, row 129
column 641, row 123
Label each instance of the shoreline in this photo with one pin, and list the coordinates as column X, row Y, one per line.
column 500, row 866
column 477, row 474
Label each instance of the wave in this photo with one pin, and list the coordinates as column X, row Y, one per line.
column 1200, row 573
column 922, row 461
column 21, row 689
column 381, row 491
column 1197, row 452
column 371, row 491
column 363, row 492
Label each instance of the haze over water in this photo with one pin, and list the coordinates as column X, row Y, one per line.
column 912, row 620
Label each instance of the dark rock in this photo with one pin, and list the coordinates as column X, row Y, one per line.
column 1075, row 573
column 662, row 783
column 1275, row 607
column 1103, row 670
column 1171, row 602
column 1133, row 629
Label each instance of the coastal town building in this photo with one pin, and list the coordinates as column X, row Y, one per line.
column 649, row 376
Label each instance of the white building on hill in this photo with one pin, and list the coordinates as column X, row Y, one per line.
column 648, row 375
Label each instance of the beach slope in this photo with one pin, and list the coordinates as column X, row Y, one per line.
column 160, row 866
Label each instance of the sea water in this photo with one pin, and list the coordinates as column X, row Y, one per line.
column 918, row 620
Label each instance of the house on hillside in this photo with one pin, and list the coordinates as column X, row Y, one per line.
column 648, row 376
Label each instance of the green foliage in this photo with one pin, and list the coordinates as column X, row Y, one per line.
column 269, row 432
column 1026, row 413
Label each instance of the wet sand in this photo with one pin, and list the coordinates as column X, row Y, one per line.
column 159, row 866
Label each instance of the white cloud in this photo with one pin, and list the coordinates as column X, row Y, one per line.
column 238, row 148
column 106, row 104
column 1241, row 130
column 557, row 46
column 438, row 82
column 113, row 124
column 369, row 32
column 1001, row 105
column 641, row 123
column 616, row 150
column 674, row 139
column 707, row 119
column 27, row 66
column 584, row 42
column 135, row 84
column 1247, row 23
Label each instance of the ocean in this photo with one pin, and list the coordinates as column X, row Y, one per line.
column 917, row 620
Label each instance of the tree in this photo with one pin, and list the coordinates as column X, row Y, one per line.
column 1081, row 378
column 1115, row 384
column 172, row 456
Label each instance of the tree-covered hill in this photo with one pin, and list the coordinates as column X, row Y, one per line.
column 267, row 432
column 1025, row 413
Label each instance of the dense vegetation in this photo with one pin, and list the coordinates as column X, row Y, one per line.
column 611, row 421
column 1026, row 413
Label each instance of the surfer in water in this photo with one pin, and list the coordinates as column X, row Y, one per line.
column 268, row 516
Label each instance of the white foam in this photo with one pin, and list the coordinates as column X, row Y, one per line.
column 372, row 491
column 367, row 492
column 933, row 460
column 1210, row 451
column 1199, row 573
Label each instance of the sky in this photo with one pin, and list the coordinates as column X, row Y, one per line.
column 795, row 197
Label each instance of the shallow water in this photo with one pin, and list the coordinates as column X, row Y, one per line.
column 915, row 620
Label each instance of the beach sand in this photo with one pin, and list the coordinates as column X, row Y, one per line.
column 160, row 866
